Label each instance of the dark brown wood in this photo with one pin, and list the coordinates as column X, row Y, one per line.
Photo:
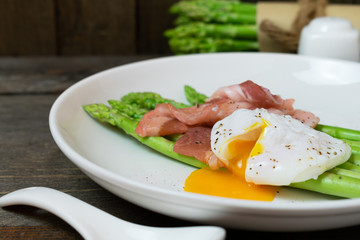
column 49, row 75
column 30, row 157
column 39, row 232
column 27, row 27
column 153, row 19
column 93, row 27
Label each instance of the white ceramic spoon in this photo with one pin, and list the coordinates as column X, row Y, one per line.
column 93, row 223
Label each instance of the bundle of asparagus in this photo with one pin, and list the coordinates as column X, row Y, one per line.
column 213, row 26
column 342, row 181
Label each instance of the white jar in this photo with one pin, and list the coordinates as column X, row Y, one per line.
column 330, row 37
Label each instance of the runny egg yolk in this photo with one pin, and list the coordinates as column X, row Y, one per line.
column 232, row 183
column 223, row 183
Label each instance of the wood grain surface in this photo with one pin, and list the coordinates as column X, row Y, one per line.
column 96, row 27
column 22, row 32
column 30, row 157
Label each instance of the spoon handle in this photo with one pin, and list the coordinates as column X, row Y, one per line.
column 93, row 223
column 90, row 222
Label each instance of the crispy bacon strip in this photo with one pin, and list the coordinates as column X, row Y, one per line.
column 261, row 97
column 160, row 122
column 256, row 95
column 196, row 143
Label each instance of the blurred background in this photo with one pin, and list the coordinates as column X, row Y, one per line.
column 88, row 27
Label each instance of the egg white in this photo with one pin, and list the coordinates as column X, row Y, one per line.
column 286, row 151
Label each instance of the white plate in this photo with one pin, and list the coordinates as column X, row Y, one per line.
column 134, row 172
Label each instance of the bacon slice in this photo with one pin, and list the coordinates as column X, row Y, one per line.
column 196, row 143
column 254, row 94
column 305, row 117
column 260, row 97
column 160, row 122
column 208, row 113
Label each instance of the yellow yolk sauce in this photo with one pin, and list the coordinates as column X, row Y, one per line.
column 223, row 183
column 231, row 184
column 237, row 164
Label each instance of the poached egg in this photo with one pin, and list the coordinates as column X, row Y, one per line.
column 269, row 149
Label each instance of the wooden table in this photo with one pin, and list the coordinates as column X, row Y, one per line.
column 30, row 157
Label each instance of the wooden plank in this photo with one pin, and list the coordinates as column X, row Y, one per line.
column 27, row 27
column 53, row 74
column 153, row 19
column 39, row 232
column 94, row 27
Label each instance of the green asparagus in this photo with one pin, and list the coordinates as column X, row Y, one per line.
column 341, row 181
column 206, row 45
column 332, row 184
column 213, row 5
column 213, row 26
column 194, row 97
column 355, row 158
column 339, row 132
column 132, row 111
column 148, row 100
column 216, row 11
column 344, row 172
column 203, row 30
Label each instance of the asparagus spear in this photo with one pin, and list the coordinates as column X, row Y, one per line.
column 132, row 111
column 332, row 184
column 194, row 97
column 339, row 132
column 342, row 181
column 344, row 172
column 136, row 104
column 122, row 121
column 355, row 158
column 203, row 30
column 205, row 45
column 215, row 11
column 213, row 5
column 213, row 26
column 148, row 100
